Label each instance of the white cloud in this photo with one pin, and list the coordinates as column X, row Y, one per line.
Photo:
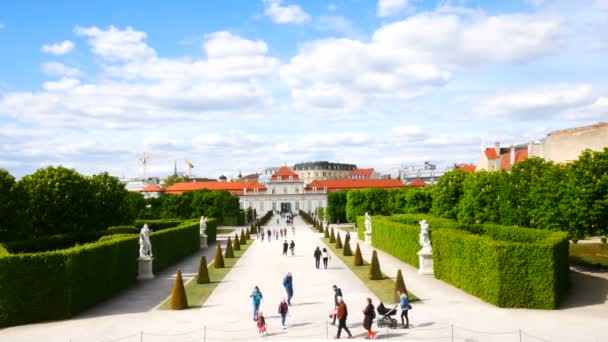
column 58, row 48
column 285, row 14
column 60, row 69
column 598, row 110
column 387, row 8
column 116, row 44
column 550, row 101
column 65, row 83
column 225, row 44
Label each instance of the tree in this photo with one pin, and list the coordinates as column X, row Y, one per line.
column 399, row 286
column 178, row 295
column 374, row 271
column 108, row 201
column 236, row 245
column 480, row 200
column 320, row 213
column 447, row 194
column 336, row 206
column 173, row 179
column 203, row 272
column 229, row 253
column 218, row 260
column 10, row 208
column 358, row 258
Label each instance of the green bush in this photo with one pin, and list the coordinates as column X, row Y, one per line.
column 229, row 252
column 218, row 260
column 203, row 272
column 211, row 231
column 243, row 240
column 401, row 240
column 113, row 237
column 347, row 251
column 3, row 251
column 236, row 244
column 156, row 225
column 51, row 243
column 358, row 258
column 171, row 245
column 399, row 286
column 266, row 218
column 332, row 237
column 123, row 230
column 375, row 273
column 338, row 241
column 178, row 301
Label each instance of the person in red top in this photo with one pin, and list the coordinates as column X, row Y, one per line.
column 342, row 314
column 283, row 309
column 261, row 323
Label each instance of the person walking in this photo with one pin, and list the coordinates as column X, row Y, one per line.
column 369, row 314
column 261, row 323
column 269, row 235
column 288, row 284
column 283, row 309
column 292, row 246
column 256, row 296
column 342, row 315
column 404, row 303
column 317, row 255
column 325, row 257
column 293, row 230
column 337, row 294
column 285, row 246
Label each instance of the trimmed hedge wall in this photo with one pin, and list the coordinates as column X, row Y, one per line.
column 211, row 230
column 503, row 265
column 51, row 242
column 266, row 218
column 56, row 285
column 123, row 230
column 156, row 225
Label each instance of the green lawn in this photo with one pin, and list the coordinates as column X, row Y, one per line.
column 383, row 289
column 198, row 293
column 225, row 231
column 589, row 254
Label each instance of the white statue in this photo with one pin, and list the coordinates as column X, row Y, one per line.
column 425, row 238
column 145, row 247
column 368, row 223
column 203, row 225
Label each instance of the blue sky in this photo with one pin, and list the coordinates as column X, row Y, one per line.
column 248, row 84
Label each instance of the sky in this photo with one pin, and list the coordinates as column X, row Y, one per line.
column 246, row 84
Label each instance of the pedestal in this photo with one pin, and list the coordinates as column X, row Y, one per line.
column 203, row 241
column 145, row 268
column 368, row 238
column 425, row 259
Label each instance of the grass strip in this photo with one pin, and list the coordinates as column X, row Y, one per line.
column 225, row 231
column 196, row 293
column 383, row 289
column 589, row 254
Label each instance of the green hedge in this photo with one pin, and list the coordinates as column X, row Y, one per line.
column 171, row 245
column 156, row 225
column 122, row 230
column 211, row 230
column 266, row 218
column 51, row 242
column 504, row 265
column 56, row 285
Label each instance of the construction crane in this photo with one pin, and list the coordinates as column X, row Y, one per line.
column 145, row 161
column 190, row 166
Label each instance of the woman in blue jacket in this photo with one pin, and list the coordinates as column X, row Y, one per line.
column 256, row 296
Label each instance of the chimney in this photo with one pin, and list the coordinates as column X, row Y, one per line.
column 497, row 148
column 531, row 149
column 244, row 191
column 512, row 155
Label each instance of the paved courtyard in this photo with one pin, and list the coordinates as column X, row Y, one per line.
column 445, row 312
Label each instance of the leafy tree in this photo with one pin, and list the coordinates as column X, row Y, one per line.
column 320, row 213
column 135, row 204
column 336, row 206
column 172, row 179
column 10, row 207
column 109, row 201
column 480, row 200
column 447, row 194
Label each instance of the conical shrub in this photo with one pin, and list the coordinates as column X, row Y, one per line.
column 178, row 295
column 218, row 260
column 399, row 286
column 248, row 234
column 243, row 238
column 347, row 251
column 229, row 253
column 203, row 272
column 338, row 241
column 374, row 271
column 332, row 237
column 326, row 233
column 358, row 259
column 236, row 245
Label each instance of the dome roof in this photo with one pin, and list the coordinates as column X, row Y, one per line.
column 222, row 177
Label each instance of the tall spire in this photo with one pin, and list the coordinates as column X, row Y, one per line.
column 175, row 168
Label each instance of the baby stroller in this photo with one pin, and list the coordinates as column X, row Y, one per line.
column 386, row 320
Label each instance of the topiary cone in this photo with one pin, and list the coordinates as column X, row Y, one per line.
column 203, row 272
column 347, row 251
column 229, row 253
column 374, row 271
column 236, row 245
column 178, row 295
column 248, row 235
column 326, row 233
column 243, row 238
column 358, row 259
column 399, row 286
column 338, row 241
column 218, row 260
column 332, row 237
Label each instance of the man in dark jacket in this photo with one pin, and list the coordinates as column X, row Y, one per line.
column 337, row 294
column 288, row 284
column 342, row 315
column 317, row 255
column 285, row 247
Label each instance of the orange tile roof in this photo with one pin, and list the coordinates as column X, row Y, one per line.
column 283, row 174
column 232, row 187
column 465, row 167
column 362, row 172
column 505, row 159
column 152, row 188
column 346, row 184
column 417, row 183
column 491, row 153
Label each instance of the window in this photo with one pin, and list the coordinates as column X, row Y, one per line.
column 316, row 174
column 285, row 190
column 274, row 206
column 297, row 205
column 273, row 191
column 297, row 190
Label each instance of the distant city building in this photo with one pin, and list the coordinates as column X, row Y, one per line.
column 560, row 146
column 152, row 191
column 350, row 184
column 137, row 185
column 323, row 170
column 364, row 174
column 427, row 173
column 254, row 177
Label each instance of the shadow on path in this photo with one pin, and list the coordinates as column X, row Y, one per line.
column 589, row 286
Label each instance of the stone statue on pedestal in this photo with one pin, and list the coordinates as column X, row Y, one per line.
column 145, row 246
column 425, row 237
column 203, row 225
column 368, row 224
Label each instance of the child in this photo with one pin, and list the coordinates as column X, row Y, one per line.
column 261, row 324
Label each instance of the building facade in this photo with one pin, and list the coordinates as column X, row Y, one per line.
column 323, row 170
